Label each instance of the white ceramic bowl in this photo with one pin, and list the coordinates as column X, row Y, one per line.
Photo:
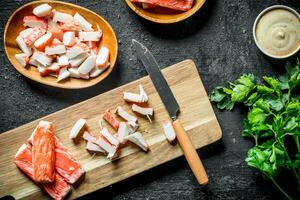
column 257, row 20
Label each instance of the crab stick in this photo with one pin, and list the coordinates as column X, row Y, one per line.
column 72, row 26
column 75, row 51
column 148, row 112
column 69, row 38
column 42, row 58
column 56, row 31
column 139, row 140
column 22, row 58
column 84, row 24
column 55, row 49
column 107, row 116
column 90, row 146
column 63, row 74
column 107, row 147
column 109, row 137
column 21, row 43
column 76, row 61
column 42, row 10
column 62, row 17
column 89, row 36
column 87, row 65
column 43, row 153
column 33, row 21
column 43, row 41
column 143, row 93
column 129, row 118
column 37, row 32
column 102, row 57
column 26, row 32
column 77, row 129
column 133, row 97
column 63, row 60
column 169, row 131
column 56, row 41
column 97, row 71
column 34, row 62
column 123, row 132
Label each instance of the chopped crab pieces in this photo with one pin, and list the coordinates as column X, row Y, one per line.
column 22, row 58
column 87, row 65
column 90, row 146
column 132, row 97
column 129, row 118
column 37, row 32
column 62, row 17
column 75, row 51
column 107, row 147
column 55, row 49
column 26, row 32
column 42, row 10
column 63, row 60
column 76, row 61
column 63, row 74
column 148, row 112
column 139, row 140
column 143, row 93
column 109, row 137
column 102, row 57
column 23, row 46
column 33, row 21
column 85, row 25
column 123, row 132
column 69, row 38
column 97, row 71
column 169, row 131
column 90, row 36
column 78, row 128
column 107, row 116
column 43, row 41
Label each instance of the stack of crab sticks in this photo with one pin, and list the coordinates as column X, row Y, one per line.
column 61, row 45
column 109, row 142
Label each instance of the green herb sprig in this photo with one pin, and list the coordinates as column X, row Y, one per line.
column 273, row 120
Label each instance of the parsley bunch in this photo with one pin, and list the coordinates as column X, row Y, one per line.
column 273, row 120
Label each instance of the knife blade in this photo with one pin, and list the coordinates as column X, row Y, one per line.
column 172, row 107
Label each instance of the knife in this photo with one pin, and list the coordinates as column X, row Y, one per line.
column 172, row 107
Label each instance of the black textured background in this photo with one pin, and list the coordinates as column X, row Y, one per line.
column 218, row 39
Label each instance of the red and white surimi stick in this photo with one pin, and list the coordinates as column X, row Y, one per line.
column 56, row 41
column 148, row 112
column 107, row 116
column 63, row 74
column 78, row 128
column 72, row 26
column 97, row 71
column 42, row 10
column 42, row 58
column 123, row 132
column 109, row 137
column 62, row 17
column 169, row 131
column 62, row 60
column 139, row 140
column 33, row 21
column 107, row 147
column 37, row 32
column 55, row 49
column 90, row 146
column 84, row 24
column 76, row 61
column 75, row 51
column 22, row 58
column 129, row 118
column 34, row 62
column 102, row 57
column 26, row 32
column 87, row 65
column 89, row 36
column 69, row 38
column 143, row 93
column 132, row 97
column 43, row 41
column 21, row 43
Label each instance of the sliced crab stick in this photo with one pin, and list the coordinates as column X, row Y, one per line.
column 88, row 137
column 69, row 38
column 33, row 21
column 142, row 110
column 34, row 62
column 90, row 146
column 84, row 24
column 87, row 65
column 62, row 17
column 43, row 59
column 77, row 129
column 97, row 71
column 21, row 43
column 76, row 61
column 107, row 147
column 139, row 140
column 143, row 93
column 102, row 57
column 75, row 51
column 43, row 41
column 42, row 10
column 123, row 132
column 56, row 31
column 129, row 118
column 89, row 36
column 72, row 26
column 55, row 49
column 63, row 60
column 37, row 32
column 56, row 41
column 22, row 58
column 134, row 98
column 26, row 32
column 107, row 116
column 109, row 137
column 63, row 74
column 169, row 131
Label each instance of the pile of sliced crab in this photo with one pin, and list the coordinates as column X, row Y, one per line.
column 61, row 45
column 109, row 142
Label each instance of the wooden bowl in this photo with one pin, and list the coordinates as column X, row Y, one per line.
column 165, row 18
column 15, row 24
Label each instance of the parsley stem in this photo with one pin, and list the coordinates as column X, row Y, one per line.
column 280, row 189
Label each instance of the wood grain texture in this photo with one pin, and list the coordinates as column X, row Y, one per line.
column 14, row 26
column 162, row 18
column 196, row 116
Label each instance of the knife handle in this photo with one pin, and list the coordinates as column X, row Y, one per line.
column 190, row 153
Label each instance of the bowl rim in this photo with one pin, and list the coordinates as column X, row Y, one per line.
column 187, row 14
column 63, row 86
column 255, row 25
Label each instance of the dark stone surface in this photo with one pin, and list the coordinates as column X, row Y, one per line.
column 219, row 40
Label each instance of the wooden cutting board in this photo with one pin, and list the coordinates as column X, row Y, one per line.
column 196, row 115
